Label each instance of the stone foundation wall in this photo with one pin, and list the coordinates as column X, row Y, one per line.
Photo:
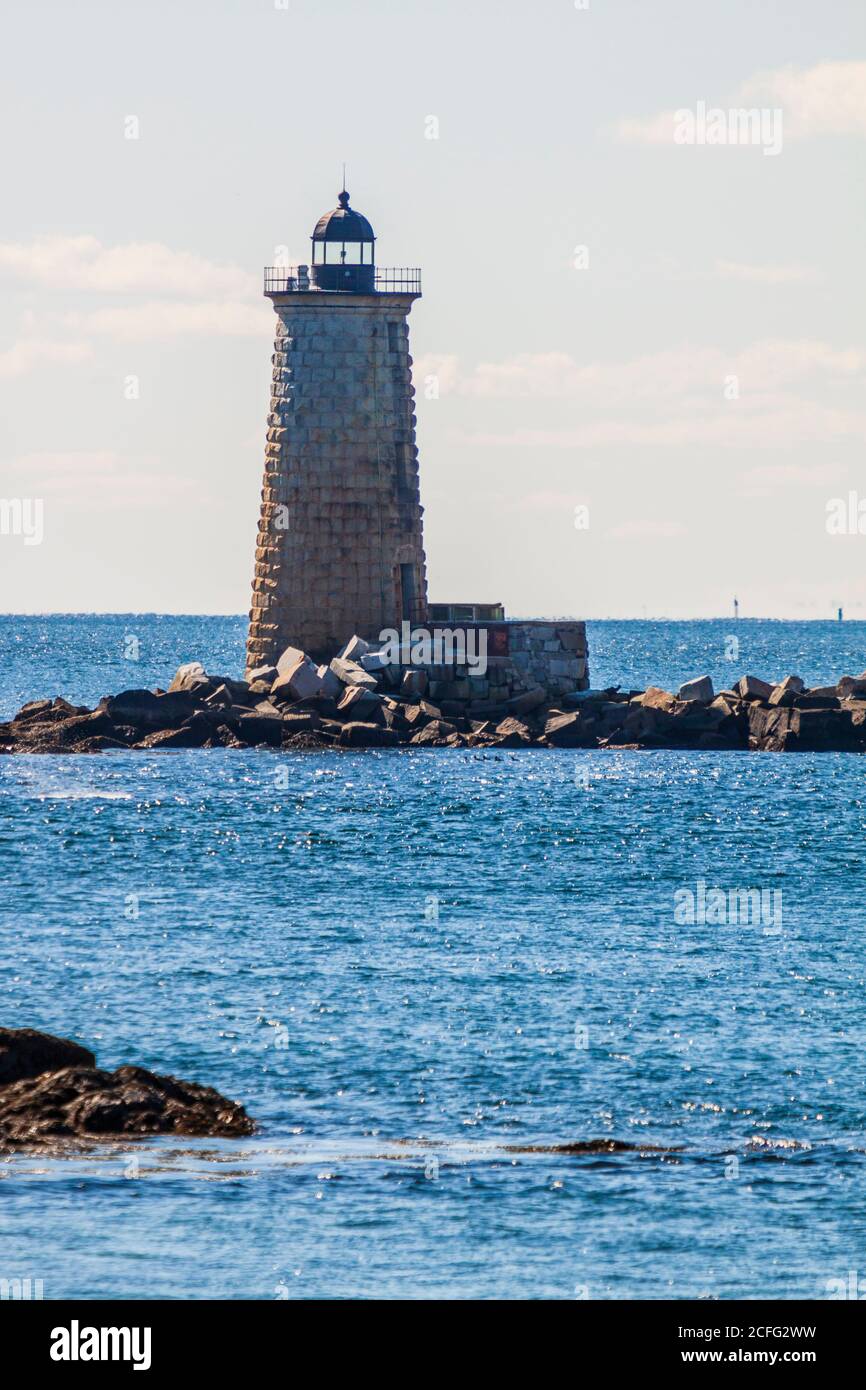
column 528, row 664
column 554, row 655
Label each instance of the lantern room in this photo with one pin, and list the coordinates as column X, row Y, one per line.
column 343, row 250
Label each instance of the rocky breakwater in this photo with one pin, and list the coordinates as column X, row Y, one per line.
column 361, row 699
column 52, row 1092
column 754, row 714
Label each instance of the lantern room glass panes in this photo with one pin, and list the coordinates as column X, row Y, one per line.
column 342, row 253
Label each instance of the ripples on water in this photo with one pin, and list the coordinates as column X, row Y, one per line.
column 410, row 964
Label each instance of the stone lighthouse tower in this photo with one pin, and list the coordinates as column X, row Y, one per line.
column 340, row 547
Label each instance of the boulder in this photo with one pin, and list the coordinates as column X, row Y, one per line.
column 656, row 698
column 34, row 709
column 414, row 682
column 784, row 692
column 528, row 700
column 294, row 724
column 188, row 676
column 824, row 730
column 751, row 688
column 298, row 682
column 433, row 734
column 26, row 1053
column 351, row 673
column 51, row 1092
column 374, row 661
column 358, row 701
column 565, row 731
column 817, row 699
column 144, row 709
column 512, row 733
column 266, row 674
column 354, row 650
column 699, row 689
column 82, row 1102
column 331, row 685
column 357, row 734
column 191, row 735
column 289, row 658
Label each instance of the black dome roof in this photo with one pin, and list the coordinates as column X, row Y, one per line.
column 343, row 224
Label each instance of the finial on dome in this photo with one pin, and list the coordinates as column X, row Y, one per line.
column 343, row 199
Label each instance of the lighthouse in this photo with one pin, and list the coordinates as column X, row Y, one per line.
column 340, row 547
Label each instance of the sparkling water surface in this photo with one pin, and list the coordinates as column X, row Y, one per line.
column 409, row 964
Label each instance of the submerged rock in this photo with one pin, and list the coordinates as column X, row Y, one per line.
column 591, row 1146
column 51, row 1091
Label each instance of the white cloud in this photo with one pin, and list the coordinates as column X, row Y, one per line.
column 97, row 481
column 828, row 99
column 767, row 479
column 30, row 354
column 646, row 530
column 736, row 426
column 441, row 365
column 767, row 274
column 673, row 373
column 170, row 318
column 83, row 263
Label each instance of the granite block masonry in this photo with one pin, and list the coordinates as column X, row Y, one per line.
column 340, row 545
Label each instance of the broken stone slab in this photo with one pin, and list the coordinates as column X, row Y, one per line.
column 354, row 650
column 433, row 734
column 374, row 662
column 188, row 676
column 289, row 658
column 817, row 699
column 230, row 691
column 414, row 682
column 52, row 1092
column 298, row 682
column 260, row 728
column 769, row 729
column 699, row 689
column 191, row 735
column 577, row 698
column 34, row 709
column 565, row 731
column 851, row 687
column 352, row 673
column 529, row 700
column 332, row 686
column 359, row 701
column 357, row 734
column 824, row 731
column 221, row 698
column 656, row 698
column 267, row 674
column 512, row 733
column 752, row 688
column 784, row 692
column 142, row 708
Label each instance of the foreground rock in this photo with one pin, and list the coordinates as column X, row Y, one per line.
column 51, row 1092
column 357, row 702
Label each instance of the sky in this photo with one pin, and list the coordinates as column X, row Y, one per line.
column 639, row 355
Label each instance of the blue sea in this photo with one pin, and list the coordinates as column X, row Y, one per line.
column 408, row 964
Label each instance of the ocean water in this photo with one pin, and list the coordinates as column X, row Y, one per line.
column 411, row 965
